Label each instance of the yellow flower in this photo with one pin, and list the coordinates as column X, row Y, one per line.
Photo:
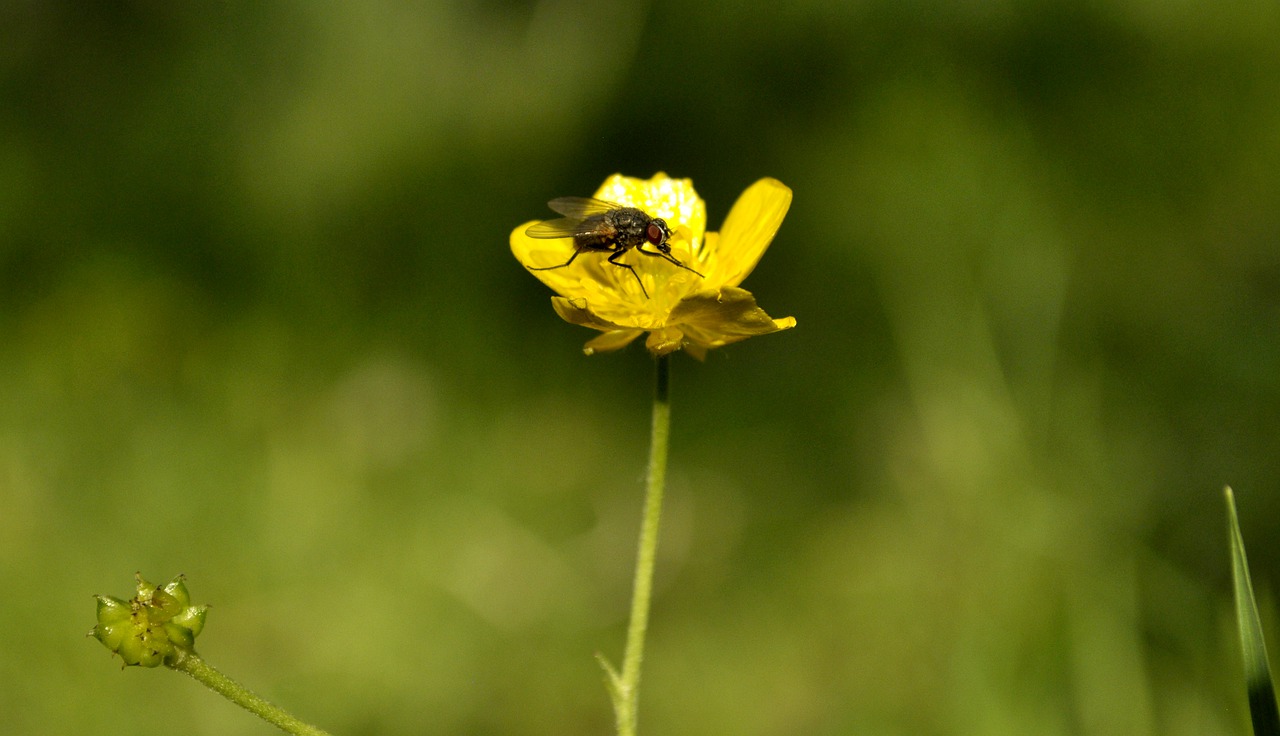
column 699, row 307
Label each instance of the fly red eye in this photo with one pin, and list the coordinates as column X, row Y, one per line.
column 654, row 233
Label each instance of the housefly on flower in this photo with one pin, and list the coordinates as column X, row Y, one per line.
column 597, row 226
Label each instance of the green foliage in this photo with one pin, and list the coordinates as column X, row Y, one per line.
column 254, row 279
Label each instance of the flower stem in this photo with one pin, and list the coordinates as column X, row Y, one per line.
column 198, row 669
column 627, row 685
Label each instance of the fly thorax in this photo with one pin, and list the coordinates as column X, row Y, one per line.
column 632, row 225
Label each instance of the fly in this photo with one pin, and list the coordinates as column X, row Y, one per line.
column 597, row 226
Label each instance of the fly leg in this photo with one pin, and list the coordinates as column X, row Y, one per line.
column 614, row 260
column 562, row 265
column 669, row 259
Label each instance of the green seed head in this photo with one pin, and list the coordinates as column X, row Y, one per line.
column 157, row 626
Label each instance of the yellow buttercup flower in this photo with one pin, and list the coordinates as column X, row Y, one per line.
column 693, row 303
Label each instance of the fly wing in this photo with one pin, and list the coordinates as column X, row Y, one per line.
column 580, row 208
column 565, row 227
column 581, row 216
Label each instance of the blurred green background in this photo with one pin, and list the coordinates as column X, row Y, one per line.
column 259, row 324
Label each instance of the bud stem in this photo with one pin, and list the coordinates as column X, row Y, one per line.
column 198, row 669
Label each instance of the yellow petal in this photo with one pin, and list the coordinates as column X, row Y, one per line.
column 713, row 319
column 747, row 232
column 577, row 312
column 609, row 341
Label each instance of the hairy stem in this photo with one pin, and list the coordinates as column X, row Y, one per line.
column 211, row 678
column 627, row 684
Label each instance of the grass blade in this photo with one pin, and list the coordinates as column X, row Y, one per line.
column 1257, row 673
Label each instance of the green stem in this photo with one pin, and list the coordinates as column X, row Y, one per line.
column 627, row 685
column 206, row 675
